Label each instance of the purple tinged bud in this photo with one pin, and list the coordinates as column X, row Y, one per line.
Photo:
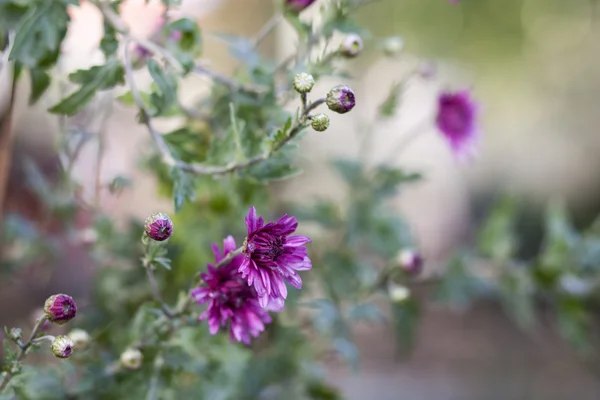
column 340, row 99
column 62, row 346
column 60, row 308
column 410, row 261
column 16, row 333
column 298, row 5
column 159, row 227
column 351, row 46
column 303, row 82
column 131, row 359
column 320, row 122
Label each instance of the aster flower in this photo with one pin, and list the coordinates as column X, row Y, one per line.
column 231, row 302
column 272, row 256
column 456, row 120
column 159, row 227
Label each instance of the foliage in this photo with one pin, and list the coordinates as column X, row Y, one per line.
column 216, row 165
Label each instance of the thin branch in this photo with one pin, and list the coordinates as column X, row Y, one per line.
column 8, row 375
column 147, row 263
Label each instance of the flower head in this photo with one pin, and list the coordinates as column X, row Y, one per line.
column 298, row 5
column 303, row 82
column 159, row 227
column 410, row 261
column 230, row 300
column 62, row 346
column 272, row 256
column 351, row 46
column 60, row 308
column 131, row 358
column 320, row 122
column 456, row 120
column 340, row 99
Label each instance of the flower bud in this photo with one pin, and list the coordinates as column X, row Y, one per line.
column 298, row 5
column 340, row 99
column 60, row 308
column 303, row 82
column 62, row 346
column 351, row 46
column 426, row 69
column 80, row 338
column 320, row 122
column 398, row 293
column 131, row 359
column 16, row 333
column 159, row 227
column 410, row 261
column 393, row 46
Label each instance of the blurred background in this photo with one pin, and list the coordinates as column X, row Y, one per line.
column 534, row 67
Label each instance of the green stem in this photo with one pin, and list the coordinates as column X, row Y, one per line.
column 8, row 375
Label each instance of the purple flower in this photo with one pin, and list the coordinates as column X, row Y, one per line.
column 456, row 120
column 340, row 99
column 60, row 308
column 159, row 227
column 272, row 256
column 298, row 5
column 230, row 300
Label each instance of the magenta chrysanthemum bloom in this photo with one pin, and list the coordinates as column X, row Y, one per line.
column 60, row 308
column 272, row 256
column 456, row 119
column 298, row 5
column 230, row 300
column 159, row 227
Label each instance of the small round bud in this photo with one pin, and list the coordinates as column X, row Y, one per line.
column 80, row 338
column 340, row 99
column 16, row 333
column 393, row 46
column 303, row 82
column 320, row 122
column 427, row 69
column 60, row 308
column 131, row 359
column 62, row 346
column 351, row 46
column 410, row 261
column 159, row 227
column 398, row 293
column 298, row 5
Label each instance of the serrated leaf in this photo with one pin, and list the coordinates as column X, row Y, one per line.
column 40, row 81
column 165, row 95
column 40, row 33
column 184, row 187
column 100, row 77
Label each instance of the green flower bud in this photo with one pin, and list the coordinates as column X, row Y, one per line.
column 80, row 338
column 303, row 82
column 320, row 122
column 131, row 359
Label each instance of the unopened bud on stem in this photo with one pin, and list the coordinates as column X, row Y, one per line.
column 62, row 346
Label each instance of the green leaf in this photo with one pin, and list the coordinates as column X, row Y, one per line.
column 387, row 180
column 100, row 77
column 350, row 170
column 561, row 239
column 12, row 13
column 184, row 187
column 574, row 323
column 497, row 237
column 40, row 81
column 280, row 134
column 517, row 292
column 458, row 287
column 165, row 96
column 40, row 33
column 347, row 350
column 109, row 43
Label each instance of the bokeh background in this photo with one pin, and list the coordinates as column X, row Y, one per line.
column 534, row 66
